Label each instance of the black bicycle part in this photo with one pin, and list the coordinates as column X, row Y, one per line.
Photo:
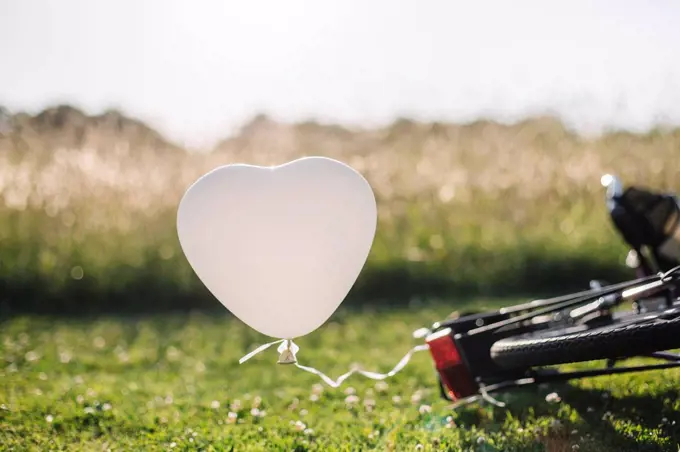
column 552, row 375
column 472, row 337
column 638, row 335
column 645, row 219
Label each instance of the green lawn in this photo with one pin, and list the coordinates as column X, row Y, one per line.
column 173, row 382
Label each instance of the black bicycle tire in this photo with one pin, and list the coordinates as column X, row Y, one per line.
column 611, row 341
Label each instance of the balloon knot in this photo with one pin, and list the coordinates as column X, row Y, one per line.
column 287, row 351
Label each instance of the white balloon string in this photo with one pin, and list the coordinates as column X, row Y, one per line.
column 258, row 350
column 367, row 374
column 290, row 349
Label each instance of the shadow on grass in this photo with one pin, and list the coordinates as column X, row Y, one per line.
column 538, row 275
column 640, row 423
column 153, row 289
column 633, row 423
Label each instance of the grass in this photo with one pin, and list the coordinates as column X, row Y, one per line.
column 173, row 382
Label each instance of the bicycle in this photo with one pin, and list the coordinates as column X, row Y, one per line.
column 477, row 354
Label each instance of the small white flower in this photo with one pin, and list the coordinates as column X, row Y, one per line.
column 449, row 422
column 351, row 399
column 99, row 342
column 381, row 386
column 553, row 397
column 172, row 353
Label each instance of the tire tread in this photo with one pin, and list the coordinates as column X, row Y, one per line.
column 616, row 342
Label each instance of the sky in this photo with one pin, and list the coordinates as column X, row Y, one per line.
column 199, row 69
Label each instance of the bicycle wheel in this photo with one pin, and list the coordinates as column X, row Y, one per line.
column 627, row 336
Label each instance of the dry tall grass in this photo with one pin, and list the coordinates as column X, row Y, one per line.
column 89, row 204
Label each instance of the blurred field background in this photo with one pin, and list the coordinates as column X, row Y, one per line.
column 88, row 204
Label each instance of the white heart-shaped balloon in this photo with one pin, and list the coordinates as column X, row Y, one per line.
column 280, row 247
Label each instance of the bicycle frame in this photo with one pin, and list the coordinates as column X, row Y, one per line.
column 460, row 347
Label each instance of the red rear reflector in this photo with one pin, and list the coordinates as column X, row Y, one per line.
column 444, row 352
column 454, row 375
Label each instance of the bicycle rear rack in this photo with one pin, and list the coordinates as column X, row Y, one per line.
column 452, row 342
column 551, row 375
